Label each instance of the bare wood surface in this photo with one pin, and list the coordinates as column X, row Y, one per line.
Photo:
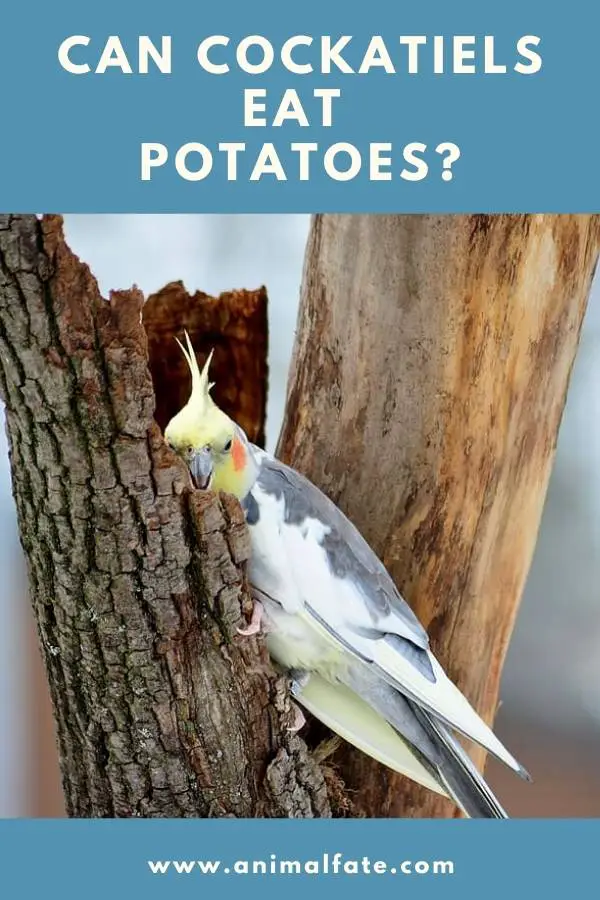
column 429, row 377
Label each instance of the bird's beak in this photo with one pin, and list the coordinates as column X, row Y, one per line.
column 201, row 467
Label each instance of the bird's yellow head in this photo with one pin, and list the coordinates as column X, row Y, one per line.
column 214, row 447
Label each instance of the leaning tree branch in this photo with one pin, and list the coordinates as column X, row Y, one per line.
column 429, row 377
column 137, row 581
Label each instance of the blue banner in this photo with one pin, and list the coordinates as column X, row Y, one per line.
column 263, row 859
column 264, row 107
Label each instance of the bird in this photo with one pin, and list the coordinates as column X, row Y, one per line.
column 333, row 619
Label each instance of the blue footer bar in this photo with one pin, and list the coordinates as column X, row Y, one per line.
column 159, row 858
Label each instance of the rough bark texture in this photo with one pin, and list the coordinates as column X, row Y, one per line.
column 137, row 581
column 431, row 366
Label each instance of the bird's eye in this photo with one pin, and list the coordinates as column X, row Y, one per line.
column 190, row 449
column 227, row 446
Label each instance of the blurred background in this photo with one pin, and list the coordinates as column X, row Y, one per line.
column 550, row 713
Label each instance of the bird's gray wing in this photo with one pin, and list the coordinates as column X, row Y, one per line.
column 431, row 742
column 348, row 554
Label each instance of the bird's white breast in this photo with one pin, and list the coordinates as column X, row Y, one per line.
column 289, row 567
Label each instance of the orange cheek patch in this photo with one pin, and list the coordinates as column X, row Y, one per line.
column 238, row 455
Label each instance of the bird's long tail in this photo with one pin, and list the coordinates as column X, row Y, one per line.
column 376, row 719
column 463, row 781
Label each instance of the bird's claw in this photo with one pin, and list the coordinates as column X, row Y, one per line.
column 253, row 626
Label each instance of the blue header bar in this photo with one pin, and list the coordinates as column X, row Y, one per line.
column 237, row 107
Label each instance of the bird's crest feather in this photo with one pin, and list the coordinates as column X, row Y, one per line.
column 200, row 397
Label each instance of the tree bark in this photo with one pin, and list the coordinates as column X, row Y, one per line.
column 429, row 376
column 137, row 581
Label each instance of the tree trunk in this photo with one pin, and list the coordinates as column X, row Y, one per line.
column 137, row 581
column 429, row 377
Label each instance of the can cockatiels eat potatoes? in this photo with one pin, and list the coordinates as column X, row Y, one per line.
column 332, row 616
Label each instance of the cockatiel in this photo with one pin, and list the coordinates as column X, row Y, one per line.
column 358, row 657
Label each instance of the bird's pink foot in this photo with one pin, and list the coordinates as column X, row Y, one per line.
column 299, row 719
column 253, row 626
